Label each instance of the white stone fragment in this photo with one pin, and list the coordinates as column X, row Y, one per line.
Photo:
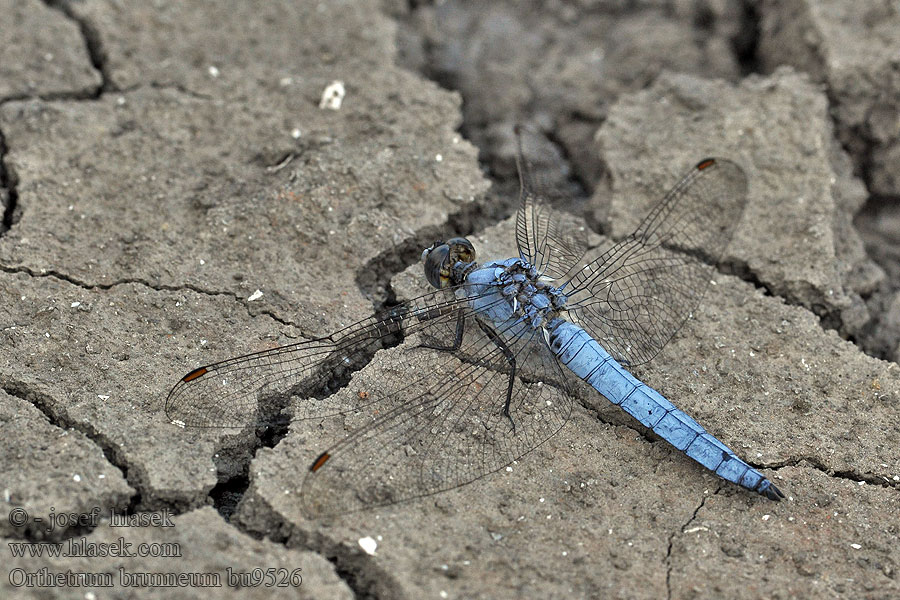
column 333, row 96
column 368, row 545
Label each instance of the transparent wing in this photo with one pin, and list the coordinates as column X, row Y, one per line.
column 443, row 428
column 253, row 389
column 634, row 297
column 549, row 245
column 420, row 420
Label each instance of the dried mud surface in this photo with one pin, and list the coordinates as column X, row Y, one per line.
column 174, row 193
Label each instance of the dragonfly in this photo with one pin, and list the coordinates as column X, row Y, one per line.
column 486, row 366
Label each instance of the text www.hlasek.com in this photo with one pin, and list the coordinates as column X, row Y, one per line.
column 82, row 548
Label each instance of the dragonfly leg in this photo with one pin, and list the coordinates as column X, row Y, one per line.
column 511, row 358
column 460, row 327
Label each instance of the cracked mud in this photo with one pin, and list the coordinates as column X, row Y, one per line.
column 173, row 195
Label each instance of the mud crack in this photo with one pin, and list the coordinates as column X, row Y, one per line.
column 9, row 195
column 157, row 287
column 59, row 418
column 672, row 541
column 849, row 475
column 93, row 43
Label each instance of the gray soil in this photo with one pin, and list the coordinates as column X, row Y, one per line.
column 173, row 194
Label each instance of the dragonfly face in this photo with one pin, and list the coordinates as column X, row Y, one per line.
column 442, row 258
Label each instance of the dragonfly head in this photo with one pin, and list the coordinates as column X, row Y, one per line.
column 441, row 257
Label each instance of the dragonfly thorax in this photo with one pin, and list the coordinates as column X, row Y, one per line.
column 530, row 295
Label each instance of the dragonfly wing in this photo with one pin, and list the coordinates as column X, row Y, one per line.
column 255, row 388
column 636, row 295
column 549, row 244
column 444, row 427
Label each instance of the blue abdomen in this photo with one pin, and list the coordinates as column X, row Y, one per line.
column 585, row 357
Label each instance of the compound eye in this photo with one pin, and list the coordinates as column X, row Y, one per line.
column 435, row 259
column 461, row 250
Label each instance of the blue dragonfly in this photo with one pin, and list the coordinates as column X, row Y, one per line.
column 490, row 361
